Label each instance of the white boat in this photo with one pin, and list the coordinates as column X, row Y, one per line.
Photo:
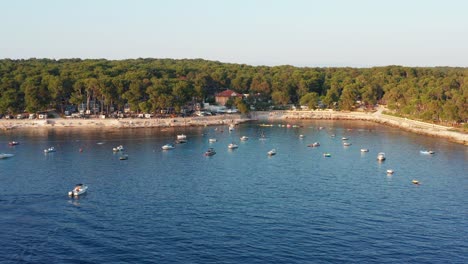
column 181, row 137
column 244, row 138
column 271, row 152
column 344, row 138
column 48, row 150
column 426, row 152
column 79, row 189
column 301, row 136
column 212, row 140
column 118, row 148
column 210, row 152
column 6, row 155
column 313, row 145
column 232, row 146
column 364, row 150
column 13, row 143
column 390, row 171
column 381, row 156
column 346, row 144
column 168, row 147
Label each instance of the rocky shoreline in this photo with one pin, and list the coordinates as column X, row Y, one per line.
column 377, row 117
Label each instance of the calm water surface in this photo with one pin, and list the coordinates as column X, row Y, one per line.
column 237, row 206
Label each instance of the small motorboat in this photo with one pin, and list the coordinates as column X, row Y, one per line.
column 244, row 138
column 271, row 152
column 381, row 156
column 415, row 182
column 346, row 144
column 168, row 147
column 327, row 155
column 6, row 155
column 231, row 128
column 79, row 189
column 390, row 171
column 48, row 150
column 232, row 146
column 364, row 150
column 313, row 145
column 301, row 136
column 123, row 157
column 118, row 149
column 210, row 152
column 344, row 138
column 212, row 140
column 426, row 152
column 181, row 137
column 13, row 143
column 181, row 141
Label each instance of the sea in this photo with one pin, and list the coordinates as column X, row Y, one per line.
column 238, row 206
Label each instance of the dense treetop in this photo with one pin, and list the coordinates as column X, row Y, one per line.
column 149, row 85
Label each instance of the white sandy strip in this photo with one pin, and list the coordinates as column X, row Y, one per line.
column 404, row 123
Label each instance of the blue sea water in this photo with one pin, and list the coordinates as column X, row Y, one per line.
column 238, row 206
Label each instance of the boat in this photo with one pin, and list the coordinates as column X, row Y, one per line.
column 123, row 157
column 344, row 138
column 390, row 171
column 232, row 146
column 364, row 150
column 212, row 140
column 346, row 144
column 6, row 155
column 327, row 155
column 181, row 137
column 210, row 152
column 381, row 156
column 118, row 148
column 231, row 128
column 48, row 150
column 313, row 145
column 426, row 152
column 415, row 182
column 79, row 189
column 301, row 136
column 244, row 138
column 168, row 147
column 271, row 152
column 13, row 143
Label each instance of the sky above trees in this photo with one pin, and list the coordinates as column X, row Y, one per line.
column 361, row 33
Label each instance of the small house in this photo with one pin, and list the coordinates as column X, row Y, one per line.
column 222, row 97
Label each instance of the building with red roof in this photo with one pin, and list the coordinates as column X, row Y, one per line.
column 222, row 97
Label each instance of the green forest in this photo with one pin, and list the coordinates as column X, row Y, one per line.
column 149, row 85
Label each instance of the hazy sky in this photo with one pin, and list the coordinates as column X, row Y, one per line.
column 358, row 33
